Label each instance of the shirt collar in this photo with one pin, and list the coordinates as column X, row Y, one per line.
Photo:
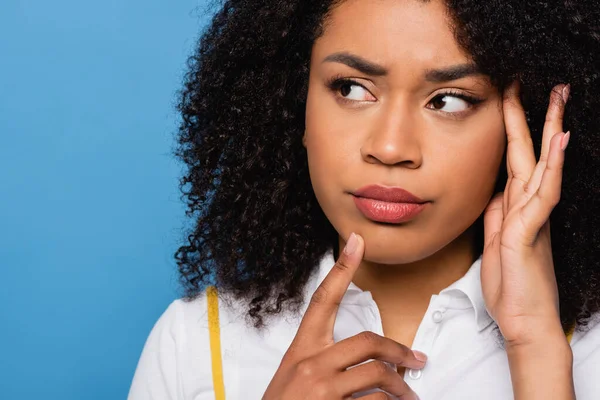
column 468, row 286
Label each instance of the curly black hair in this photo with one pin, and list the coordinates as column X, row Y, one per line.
column 259, row 232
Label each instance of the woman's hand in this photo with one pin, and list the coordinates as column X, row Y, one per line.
column 314, row 367
column 517, row 272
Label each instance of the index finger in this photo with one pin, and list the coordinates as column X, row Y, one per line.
column 318, row 321
column 520, row 157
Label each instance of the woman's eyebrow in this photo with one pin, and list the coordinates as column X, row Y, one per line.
column 357, row 62
column 451, row 73
column 446, row 74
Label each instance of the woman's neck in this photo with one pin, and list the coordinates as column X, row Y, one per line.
column 403, row 292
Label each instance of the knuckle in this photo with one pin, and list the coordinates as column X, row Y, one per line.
column 493, row 208
column 319, row 296
column 369, row 339
column 341, row 265
column 288, row 357
column 554, row 113
column 520, row 139
column 379, row 396
column 513, row 103
column 306, row 369
column 521, row 178
column 406, row 353
column 293, row 355
column 551, row 118
column 556, row 168
column 322, row 390
column 379, row 368
column 551, row 199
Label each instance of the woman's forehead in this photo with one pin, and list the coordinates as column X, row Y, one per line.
column 391, row 32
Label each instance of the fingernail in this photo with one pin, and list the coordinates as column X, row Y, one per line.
column 564, row 142
column 351, row 245
column 420, row 356
column 565, row 92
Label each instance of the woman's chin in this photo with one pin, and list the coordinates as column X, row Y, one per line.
column 395, row 255
column 409, row 246
column 388, row 249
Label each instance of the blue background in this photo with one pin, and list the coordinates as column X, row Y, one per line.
column 90, row 210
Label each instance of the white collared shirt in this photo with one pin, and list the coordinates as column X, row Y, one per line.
column 465, row 358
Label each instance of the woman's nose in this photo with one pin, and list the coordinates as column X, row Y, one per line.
column 394, row 138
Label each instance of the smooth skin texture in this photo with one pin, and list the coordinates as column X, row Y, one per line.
column 314, row 367
column 408, row 128
column 517, row 271
column 404, row 122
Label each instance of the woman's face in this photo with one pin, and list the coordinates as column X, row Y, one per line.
column 393, row 101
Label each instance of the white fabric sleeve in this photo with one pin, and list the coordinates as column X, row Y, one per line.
column 156, row 376
column 586, row 368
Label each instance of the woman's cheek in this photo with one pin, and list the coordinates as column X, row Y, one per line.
column 480, row 163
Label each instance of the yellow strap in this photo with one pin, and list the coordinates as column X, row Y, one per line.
column 570, row 333
column 215, row 342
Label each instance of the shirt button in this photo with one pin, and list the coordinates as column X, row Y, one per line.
column 414, row 373
column 437, row 317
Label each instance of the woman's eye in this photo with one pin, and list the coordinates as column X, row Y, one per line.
column 450, row 103
column 352, row 91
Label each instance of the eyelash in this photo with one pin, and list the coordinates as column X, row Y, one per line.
column 335, row 83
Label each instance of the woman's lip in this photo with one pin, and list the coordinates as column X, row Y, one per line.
column 388, row 212
column 387, row 194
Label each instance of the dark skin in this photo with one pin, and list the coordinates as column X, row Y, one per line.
column 411, row 128
column 387, row 131
column 314, row 367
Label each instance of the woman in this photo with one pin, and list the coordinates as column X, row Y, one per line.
column 370, row 208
